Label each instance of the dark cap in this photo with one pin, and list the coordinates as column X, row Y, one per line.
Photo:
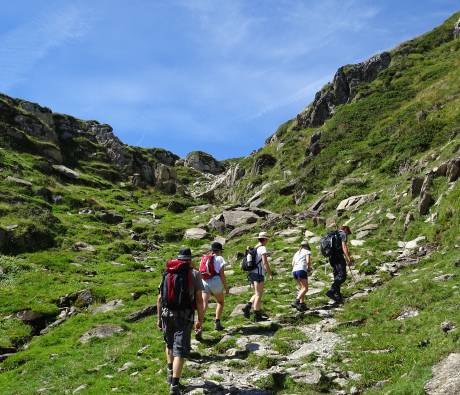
column 216, row 246
column 184, row 253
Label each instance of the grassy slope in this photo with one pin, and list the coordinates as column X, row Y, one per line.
column 378, row 133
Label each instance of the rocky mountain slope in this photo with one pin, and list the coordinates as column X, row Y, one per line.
column 87, row 223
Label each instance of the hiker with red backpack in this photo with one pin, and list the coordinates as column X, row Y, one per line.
column 334, row 246
column 180, row 295
column 257, row 258
column 212, row 268
column 301, row 269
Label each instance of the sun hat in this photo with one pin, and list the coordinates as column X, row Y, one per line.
column 216, row 246
column 263, row 235
column 184, row 253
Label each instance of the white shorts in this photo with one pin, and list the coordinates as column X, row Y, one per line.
column 213, row 285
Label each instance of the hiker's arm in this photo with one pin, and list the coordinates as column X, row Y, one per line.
column 267, row 266
column 224, row 279
column 347, row 253
column 309, row 262
column 159, row 311
column 199, row 309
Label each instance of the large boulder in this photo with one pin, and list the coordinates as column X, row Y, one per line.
column 235, row 218
column 446, row 377
column 426, row 201
column 416, row 186
column 195, row 234
column 453, row 170
column 204, row 162
column 354, row 202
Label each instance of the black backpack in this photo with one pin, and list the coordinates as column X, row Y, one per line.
column 249, row 261
column 176, row 286
column 331, row 243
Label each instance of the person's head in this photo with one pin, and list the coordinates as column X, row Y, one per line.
column 304, row 244
column 263, row 238
column 216, row 248
column 185, row 254
column 346, row 229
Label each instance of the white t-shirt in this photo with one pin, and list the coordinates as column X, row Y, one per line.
column 300, row 260
column 260, row 269
column 219, row 263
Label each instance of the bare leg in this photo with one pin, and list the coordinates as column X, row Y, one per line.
column 220, row 305
column 259, row 288
column 303, row 282
column 206, row 296
column 178, row 364
column 169, row 355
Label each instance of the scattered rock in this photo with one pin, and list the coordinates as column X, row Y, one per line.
column 238, row 310
column 101, row 331
column 354, row 202
column 390, row 216
column 237, row 218
column 312, row 376
column 65, row 171
column 202, row 208
column 409, row 219
column 195, row 234
column 109, row 306
column 357, row 242
column 447, row 326
column 80, row 388
column 444, row 277
column 125, row 367
column 408, row 313
column 110, row 217
column 446, row 380
column 314, row 240
column 82, row 246
column 19, row 182
column 453, row 170
column 176, row 207
column 239, row 290
column 145, row 312
column 241, row 230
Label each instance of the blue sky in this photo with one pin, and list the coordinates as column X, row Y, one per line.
column 218, row 76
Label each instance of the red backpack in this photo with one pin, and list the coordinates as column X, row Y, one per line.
column 207, row 268
column 176, row 286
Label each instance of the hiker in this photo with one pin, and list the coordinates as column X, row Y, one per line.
column 257, row 277
column 301, row 268
column 212, row 268
column 180, row 295
column 339, row 256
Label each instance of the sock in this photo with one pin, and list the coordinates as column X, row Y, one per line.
column 217, row 320
column 170, row 365
column 175, row 381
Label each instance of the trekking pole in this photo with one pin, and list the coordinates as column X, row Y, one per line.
column 351, row 273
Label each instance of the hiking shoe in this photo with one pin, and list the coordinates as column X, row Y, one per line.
column 199, row 336
column 176, row 389
column 331, row 294
column 247, row 311
column 302, row 307
column 295, row 304
column 258, row 316
column 218, row 326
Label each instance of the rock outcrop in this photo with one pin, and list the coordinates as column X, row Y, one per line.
column 457, row 29
column 342, row 89
column 446, row 379
column 204, row 162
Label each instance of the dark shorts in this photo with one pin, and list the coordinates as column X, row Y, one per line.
column 177, row 332
column 256, row 277
column 300, row 274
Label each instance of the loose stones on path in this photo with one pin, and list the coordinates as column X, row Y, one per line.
column 101, row 331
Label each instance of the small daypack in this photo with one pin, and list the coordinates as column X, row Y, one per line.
column 249, row 261
column 207, row 268
column 331, row 243
column 176, row 286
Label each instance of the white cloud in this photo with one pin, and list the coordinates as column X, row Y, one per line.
column 22, row 47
